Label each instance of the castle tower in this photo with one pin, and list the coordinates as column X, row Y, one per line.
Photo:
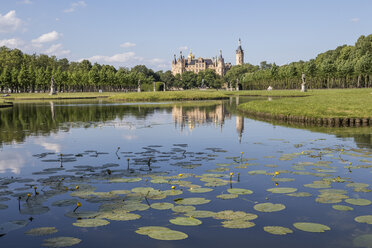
column 221, row 65
column 239, row 54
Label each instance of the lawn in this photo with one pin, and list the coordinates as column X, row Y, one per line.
column 332, row 103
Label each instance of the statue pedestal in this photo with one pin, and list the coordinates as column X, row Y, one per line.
column 303, row 87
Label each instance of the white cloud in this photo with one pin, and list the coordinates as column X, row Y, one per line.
column 355, row 19
column 12, row 43
column 74, row 6
column 25, row 2
column 48, row 146
column 11, row 160
column 183, row 48
column 57, row 50
column 116, row 58
column 9, row 22
column 128, row 44
column 48, row 37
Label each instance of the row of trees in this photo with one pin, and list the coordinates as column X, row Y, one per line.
column 346, row 66
column 21, row 72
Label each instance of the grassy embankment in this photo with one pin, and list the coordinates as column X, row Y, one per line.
column 347, row 107
column 71, row 95
column 274, row 93
column 169, row 96
column 4, row 104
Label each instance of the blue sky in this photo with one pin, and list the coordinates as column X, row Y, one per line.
column 126, row 33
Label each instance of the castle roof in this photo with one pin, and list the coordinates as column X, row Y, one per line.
column 192, row 62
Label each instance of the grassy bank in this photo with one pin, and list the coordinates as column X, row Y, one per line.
column 170, row 96
column 71, row 95
column 284, row 93
column 346, row 105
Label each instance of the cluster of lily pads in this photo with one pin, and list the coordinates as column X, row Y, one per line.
column 158, row 190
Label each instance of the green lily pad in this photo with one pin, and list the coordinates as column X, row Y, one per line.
column 234, row 215
column 257, row 172
column 173, row 192
column 61, row 242
column 200, row 214
column 183, row 209
column 159, row 181
column 364, row 219
column 227, row 196
column 342, row 208
column 200, row 190
column 125, row 180
column 282, row 190
column 282, row 179
column 3, row 206
column 41, row 231
column 311, row 227
column 277, row 230
column 162, row 205
column 135, row 206
column 269, row 207
column 300, row 194
column 240, row 191
column 358, row 201
column 185, row 221
column 364, row 240
column 146, row 230
column 11, row 226
column 237, row 224
column 330, row 198
column 192, row 201
column 167, row 235
column 90, row 222
column 119, row 216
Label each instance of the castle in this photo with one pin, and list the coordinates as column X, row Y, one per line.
column 217, row 64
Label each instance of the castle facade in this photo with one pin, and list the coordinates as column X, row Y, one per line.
column 182, row 64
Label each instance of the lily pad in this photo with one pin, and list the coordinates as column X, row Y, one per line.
column 227, row 196
column 240, row 191
column 167, row 235
column 3, row 206
column 300, row 194
column 185, row 221
column 119, row 216
column 358, row 201
column 234, row 215
column 183, row 209
column 65, row 203
column 41, row 231
column 364, row 219
column 90, row 222
column 269, row 207
column 200, row 214
column 237, row 224
column 311, row 227
column 200, row 190
column 364, row 240
column 34, row 210
column 342, row 208
column 145, row 230
column 61, row 242
column 11, row 226
column 282, row 190
column 277, row 230
column 162, row 205
column 192, row 201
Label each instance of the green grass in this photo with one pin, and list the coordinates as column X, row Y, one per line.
column 4, row 104
column 287, row 93
column 170, row 96
column 42, row 96
column 333, row 103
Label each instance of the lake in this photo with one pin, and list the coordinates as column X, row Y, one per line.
column 191, row 174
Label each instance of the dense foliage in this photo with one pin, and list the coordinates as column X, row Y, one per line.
column 344, row 67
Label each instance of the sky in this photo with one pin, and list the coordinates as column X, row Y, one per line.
column 126, row 33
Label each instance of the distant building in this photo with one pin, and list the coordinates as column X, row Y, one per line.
column 239, row 57
column 182, row 64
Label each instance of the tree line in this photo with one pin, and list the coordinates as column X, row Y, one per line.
column 344, row 67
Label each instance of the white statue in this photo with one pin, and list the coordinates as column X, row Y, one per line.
column 303, row 85
column 270, row 88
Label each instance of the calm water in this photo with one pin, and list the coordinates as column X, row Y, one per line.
column 203, row 141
